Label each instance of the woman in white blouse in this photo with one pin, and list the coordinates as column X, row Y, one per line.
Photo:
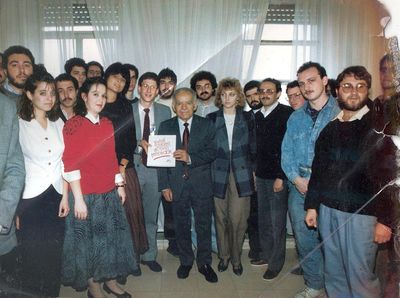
column 44, row 201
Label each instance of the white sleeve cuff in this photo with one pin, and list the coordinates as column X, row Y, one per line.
column 118, row 178
column 72, row 176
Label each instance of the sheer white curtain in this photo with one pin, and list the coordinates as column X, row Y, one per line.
column 20, row 25
column 337, row 34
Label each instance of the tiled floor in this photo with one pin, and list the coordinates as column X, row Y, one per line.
column 249, row 285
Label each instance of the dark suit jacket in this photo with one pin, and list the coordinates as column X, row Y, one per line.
column 202, row 151
column 242, row 157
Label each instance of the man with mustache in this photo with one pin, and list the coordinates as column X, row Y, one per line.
column 168, row 80
column 18, row 64
column 352, row 163
column 303, row 128
column 252, row 96
column 67, row 89
column 204, row 84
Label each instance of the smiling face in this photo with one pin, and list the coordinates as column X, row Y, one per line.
column 95, row 99
column 116, row 83
column 148, row 90
column 67, row 93
column 43, row 98
column 312, row 86
column 184, row 105
column 19, row 68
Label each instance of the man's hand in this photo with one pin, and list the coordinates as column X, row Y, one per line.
column 167, row 194
column 144, row 144
column 301, row 184
column 311, row 218
column 382, row 233
column 278, row 185
column 181, row 155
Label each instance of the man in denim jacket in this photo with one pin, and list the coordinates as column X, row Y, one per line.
column 303, row 129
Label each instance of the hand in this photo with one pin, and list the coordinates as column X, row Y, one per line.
column 311, row 218
column 121, row 194
column 382, row 233
column 301, row 184
column 80, row 209
column 145, row 145
column 63, row 209
column 278, row 185
column 167, row 194
column 17, row 223
column 181, row 155
column 122, row 171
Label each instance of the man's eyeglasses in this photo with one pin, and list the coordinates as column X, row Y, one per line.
column 294, row 96
column 266, row 91
column 348, row 88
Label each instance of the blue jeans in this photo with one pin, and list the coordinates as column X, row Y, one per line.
column 349, row 253
column 272, row 210
column 307, row 241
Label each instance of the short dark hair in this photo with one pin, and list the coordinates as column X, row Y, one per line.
column 67, row 77
column 17, row 50
column 95, row 63
column 74, row 62
column 167, row 73
column 333, row 84
column 310, row 64
column 149, row 76
column 277, row 83
column 250, row 85
column 358, row 71
column 80, row 106
column 133, row 68
column 119, row 68
column 25, row 108
column 386, row 58
column 203, row 75
column 292, row 84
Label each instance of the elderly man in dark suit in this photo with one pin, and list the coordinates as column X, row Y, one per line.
column 188, row 185
column 12, row 177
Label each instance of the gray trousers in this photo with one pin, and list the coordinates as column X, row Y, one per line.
column 231, row 214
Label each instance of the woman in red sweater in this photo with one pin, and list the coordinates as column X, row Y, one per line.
column 98, row 245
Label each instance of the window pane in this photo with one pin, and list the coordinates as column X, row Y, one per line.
column 273, row 61
column 51, row 56
column 277, row 32
column 91, row 51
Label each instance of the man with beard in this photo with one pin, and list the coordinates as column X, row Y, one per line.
column 296, row 99
column 204, row 84
column 352, row 163
column 303, row 128
column 168, row 80
column 67, row 89
column 18, row 63
column 252, row 97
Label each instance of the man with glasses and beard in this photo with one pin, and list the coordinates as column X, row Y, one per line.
column 352, row 163
column 204, row 84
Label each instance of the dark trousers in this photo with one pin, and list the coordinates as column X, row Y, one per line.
column 272, row 209
column 252, row 228
column 202, row 209
column 42, row 236
column 169, row 229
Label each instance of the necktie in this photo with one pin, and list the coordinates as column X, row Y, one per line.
column 185, row 143
column 146, row 133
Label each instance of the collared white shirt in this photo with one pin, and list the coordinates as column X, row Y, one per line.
column 42, row 149
column 357, row 116
column 268, row 110
column 92, row 118
column 142, row 114
column 182, row 129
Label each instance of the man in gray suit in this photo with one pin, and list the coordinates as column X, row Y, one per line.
column 148, row 115
column 12, row 177
column 188, row 185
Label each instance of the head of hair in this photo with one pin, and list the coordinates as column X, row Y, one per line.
column 250, row 85
column 133, row 68
column 203, row 75
column 16, row 50
column 74, row 62
column 119, row 68
column 167, row 73
column 388, row 58
column 230, row 84
column 67, row 77
column 277, row 83
column 80, row 107
column 183, row 90
column 95, row 63
column 332, row 83
column 310, row 64
column 292, row 84
column 359, row 72
column 149, row 76
column 26, row 109
column 39, row 68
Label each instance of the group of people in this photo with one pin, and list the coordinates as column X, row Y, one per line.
column 75, row 184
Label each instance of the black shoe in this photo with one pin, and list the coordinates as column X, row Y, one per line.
column 137, row 272
column 222, row 265
column 173, row 249
column 109, row 291
column 238, row 270
column 297, row 271
column 270, row 275
column 183, row 271
column 258, row 262
column 153, row 265
column 121, row 280
column 208, row 273
column 89, row 294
